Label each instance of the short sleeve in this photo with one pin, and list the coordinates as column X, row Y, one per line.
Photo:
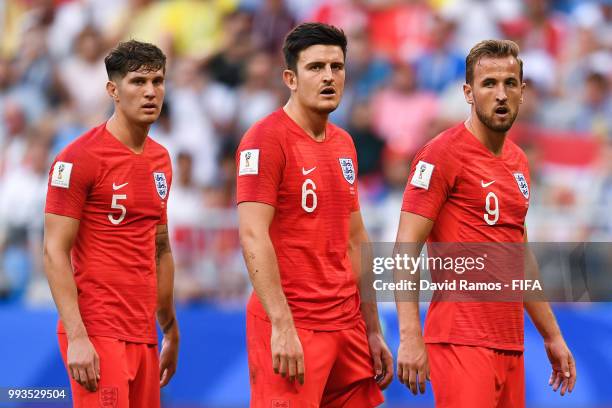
column 70, row 179
column 260, row 162
column 163, row 219
column 432, row 177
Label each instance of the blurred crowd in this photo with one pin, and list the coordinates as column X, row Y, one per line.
column 405, row 68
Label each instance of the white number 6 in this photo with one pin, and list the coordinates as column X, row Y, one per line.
column 117, row 206
column 309, row 192
column 491, row 212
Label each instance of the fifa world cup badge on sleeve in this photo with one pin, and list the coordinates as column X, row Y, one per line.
column 61, row 174
column 160, row 184
column 522, row 183
column 348, row 171
column 249, row 162
column 422, row 175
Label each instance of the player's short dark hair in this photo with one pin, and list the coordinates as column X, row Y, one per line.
column 130, row 56
column 491, row 49
column 309, row 34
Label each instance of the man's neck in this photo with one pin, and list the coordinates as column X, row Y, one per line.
column 132, row 135
column 493, row 141
column 313, row 123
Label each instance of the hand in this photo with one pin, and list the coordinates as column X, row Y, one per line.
column 382, row 358
column 287, row 353
column 563, row 365
column 413, row 364
column 83, row 363
column 168, row 358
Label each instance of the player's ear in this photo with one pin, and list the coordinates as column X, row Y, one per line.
column 523, row 85
column 290, row 79
column 111, row 89
column 467, row 93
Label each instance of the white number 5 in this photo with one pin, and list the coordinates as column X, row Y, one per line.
column 492, row 215
column 117, row 206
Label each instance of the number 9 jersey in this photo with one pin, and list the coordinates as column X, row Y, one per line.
column 472, row 196
column 119, row 197
column 313, row 188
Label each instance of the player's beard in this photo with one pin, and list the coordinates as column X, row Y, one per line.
column 488, row 120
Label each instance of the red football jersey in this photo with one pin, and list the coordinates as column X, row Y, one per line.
column 473, row 196
column 313, row 187
column 119, row 197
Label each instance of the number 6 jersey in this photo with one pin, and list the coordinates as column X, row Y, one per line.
column 119, row 197
column 313, row 188
column 473, row 197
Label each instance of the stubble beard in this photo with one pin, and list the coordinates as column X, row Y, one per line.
column 489, row 122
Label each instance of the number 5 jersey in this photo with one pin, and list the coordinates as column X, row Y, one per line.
column 119, row 197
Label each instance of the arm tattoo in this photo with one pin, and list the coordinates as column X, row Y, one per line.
column 162, row 244
column 168, row 326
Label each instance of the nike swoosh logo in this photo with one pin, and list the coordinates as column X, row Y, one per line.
column 483, row 184
column 306, row 172
column 115, row 187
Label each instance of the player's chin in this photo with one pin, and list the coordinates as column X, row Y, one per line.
column 327, row 107
column 148, row 119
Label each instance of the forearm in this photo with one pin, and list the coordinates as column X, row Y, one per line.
column 544, row 320
column 363, row 277
column 408, row 303
column 164, row 262
column 63, row 288
column 166, row 315
column 262, row 266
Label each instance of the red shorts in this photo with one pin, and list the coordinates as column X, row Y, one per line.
column 129, row 375
column 467, row 376
column 338, row 370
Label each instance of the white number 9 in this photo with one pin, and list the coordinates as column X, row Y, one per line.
column 309, row 192
column 492, row 215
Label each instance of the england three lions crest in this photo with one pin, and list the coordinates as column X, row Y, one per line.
column 160, row 184
column 522, row 184
column 348, row 171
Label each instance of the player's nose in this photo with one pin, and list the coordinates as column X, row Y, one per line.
column 327, row 73
column 501, row 95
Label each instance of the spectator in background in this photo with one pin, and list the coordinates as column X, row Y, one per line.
column 256, row 97
column 399, row 29
column 22, row 201
column 163, row 132
column 594, row 114
column 364, row 75
column 192, row 125
column 271, row 22
column 227, row 66
column 368, row 144
column 402, row 114
column 83, row 76
column 351, row 15
column 13, row 140
column 441, row 65
column 185, row 211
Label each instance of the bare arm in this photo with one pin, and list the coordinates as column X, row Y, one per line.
column 60, row 233
column 260, row 258
column 562, row 361
column 412, row 362
column 166, row 315
column 358, row 242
